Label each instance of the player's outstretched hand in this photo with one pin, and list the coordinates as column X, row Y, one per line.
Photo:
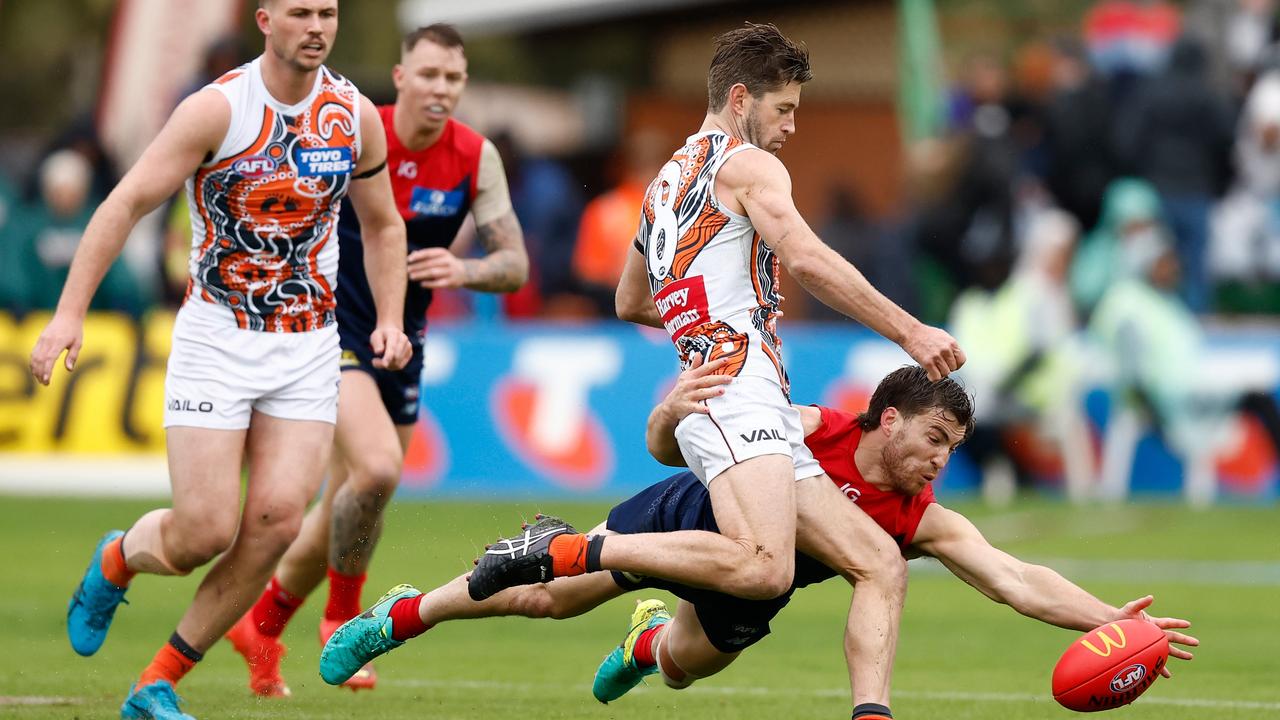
column 391, row 348
column 700, row 382
column 437, row 268
column 1138, row 609
column 935, row 350
column 60, row 334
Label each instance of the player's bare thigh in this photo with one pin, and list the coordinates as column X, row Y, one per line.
column 754, row 503
column 204, row 472
column 367, row 444
column 835, row 531
column 287, row 460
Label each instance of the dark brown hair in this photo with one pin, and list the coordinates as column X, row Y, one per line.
column 910, row 390
column 758, row 56
column 442, row 34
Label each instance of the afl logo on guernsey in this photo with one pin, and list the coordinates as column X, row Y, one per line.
column 314, row 162
column 254, row 165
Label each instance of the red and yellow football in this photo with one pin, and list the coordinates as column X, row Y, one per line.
column 1110, row 666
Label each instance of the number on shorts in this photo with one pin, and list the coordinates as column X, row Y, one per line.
column 664, row 232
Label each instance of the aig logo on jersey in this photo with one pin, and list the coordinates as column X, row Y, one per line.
column 429, row 202
column 316, row 162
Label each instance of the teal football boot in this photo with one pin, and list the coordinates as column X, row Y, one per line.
column 93, row 604
column 157, row 701
column 619, row 673
column 362, row 638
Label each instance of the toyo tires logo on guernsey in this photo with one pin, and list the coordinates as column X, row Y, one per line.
column 321, row 161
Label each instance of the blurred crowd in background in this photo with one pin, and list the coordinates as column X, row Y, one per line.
column 1118, row 173
column 1154, row 129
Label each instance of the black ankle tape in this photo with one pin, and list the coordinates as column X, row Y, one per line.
column 187, row 651
column 594, row 546
column 875, row 709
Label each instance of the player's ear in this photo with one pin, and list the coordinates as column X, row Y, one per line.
column 263, row 18
column 738, row 95
column 397, row 76
column 889, row 418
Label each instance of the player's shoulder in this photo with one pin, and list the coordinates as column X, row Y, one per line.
column 466, row 140
column 751, row 164
column 205, row 109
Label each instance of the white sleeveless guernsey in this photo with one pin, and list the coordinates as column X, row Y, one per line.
column 713, row 279
column 264, row 208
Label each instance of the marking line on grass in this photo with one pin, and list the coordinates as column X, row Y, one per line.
column 833, row 693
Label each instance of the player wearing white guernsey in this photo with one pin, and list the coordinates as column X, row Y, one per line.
column 441, row 172
column 716, row 223
column 267, row 153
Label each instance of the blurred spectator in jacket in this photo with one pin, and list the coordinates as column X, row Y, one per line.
column 966, row 231
column 1176, row 132
column 1078, row 130
column 1130, row 213
column 548, row 203
column 1163, row 374
column 50, row 232
column 1244, row 249
column 1023, row 366
column 610, row 220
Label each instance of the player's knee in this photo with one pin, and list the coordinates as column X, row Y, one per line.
column 776, row 582
column 194, row 550
column 273, row 530
column 377, row 475
column 677, row 684
column 535, row 601
column 765, row 579
column 884, row 567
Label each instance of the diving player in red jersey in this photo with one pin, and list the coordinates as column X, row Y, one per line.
column 441, row 170
column 883, row 460
column 267, row 152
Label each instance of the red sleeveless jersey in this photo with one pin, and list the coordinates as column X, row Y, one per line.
column 833, row 444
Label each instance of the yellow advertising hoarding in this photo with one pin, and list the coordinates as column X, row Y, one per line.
column 112, row 404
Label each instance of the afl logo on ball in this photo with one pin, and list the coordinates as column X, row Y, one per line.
column 1127, row 678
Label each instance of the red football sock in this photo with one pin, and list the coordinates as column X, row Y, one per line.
column 643, row 651
column 344, row 596
column 275, row 608
column 406, row 620
column 170, row 663
column 113, row 565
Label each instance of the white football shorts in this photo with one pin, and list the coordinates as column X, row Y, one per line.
column 751, row 419
column 218, row 374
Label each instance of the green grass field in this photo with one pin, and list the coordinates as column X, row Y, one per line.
column 960, row 656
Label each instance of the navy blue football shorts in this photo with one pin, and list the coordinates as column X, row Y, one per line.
column 681, row 502
column 398, row 388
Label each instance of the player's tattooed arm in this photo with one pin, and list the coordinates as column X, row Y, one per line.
column 505, row 266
